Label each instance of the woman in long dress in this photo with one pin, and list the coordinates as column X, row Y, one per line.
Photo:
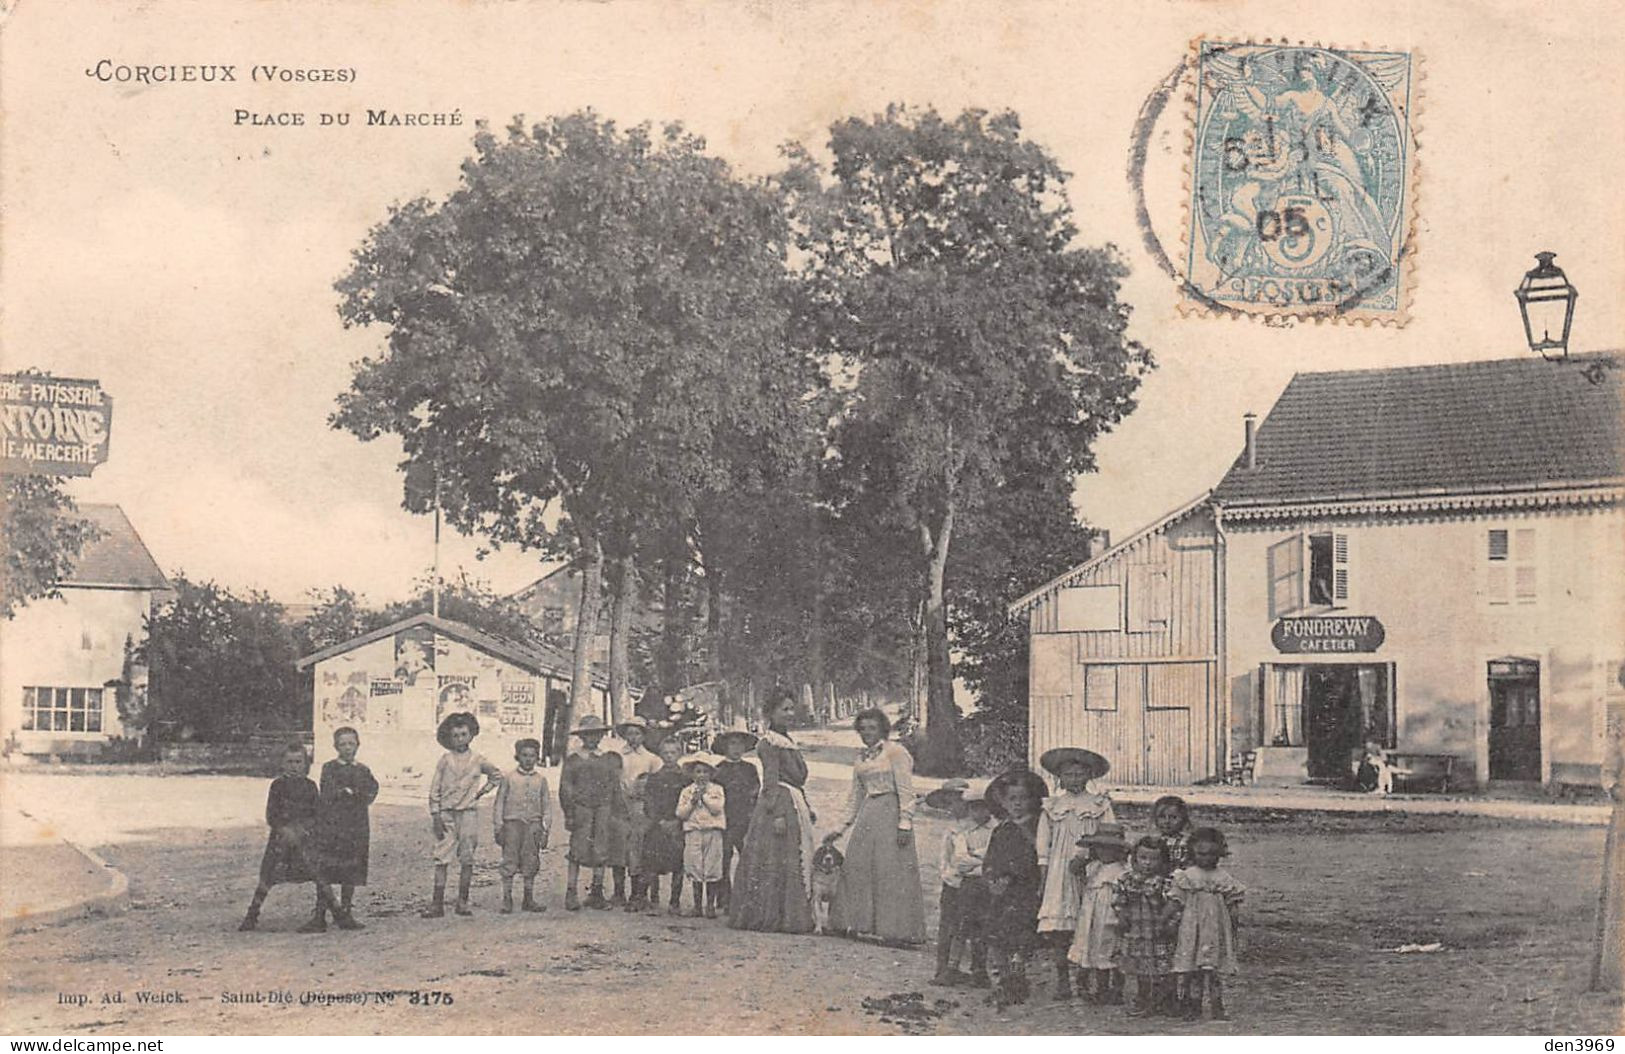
column 772, row 888
column 878, row 894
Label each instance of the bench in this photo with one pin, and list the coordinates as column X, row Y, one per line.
column 1412, row 769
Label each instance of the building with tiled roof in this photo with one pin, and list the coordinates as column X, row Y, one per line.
column 1424, row 561
column 61, row 658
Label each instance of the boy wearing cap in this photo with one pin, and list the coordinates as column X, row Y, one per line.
column 521, row 814
column 702, row 808
column 963, row 848
column 594, row 809
column 454, row 797
column 637, row 762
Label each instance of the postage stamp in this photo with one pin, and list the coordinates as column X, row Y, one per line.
column 1302, row 182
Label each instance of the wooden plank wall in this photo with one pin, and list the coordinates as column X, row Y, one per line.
column 1166, row 726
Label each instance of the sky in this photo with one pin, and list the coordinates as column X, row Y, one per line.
column 186, row 259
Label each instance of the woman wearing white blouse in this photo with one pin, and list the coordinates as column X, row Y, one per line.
column 878, row 895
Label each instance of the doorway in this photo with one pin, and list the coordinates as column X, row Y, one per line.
column 1514, row 719
column 1345, row 705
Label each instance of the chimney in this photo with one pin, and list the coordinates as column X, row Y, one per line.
column 1099, row 542
column 1250, row 447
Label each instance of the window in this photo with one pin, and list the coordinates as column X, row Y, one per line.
column 1510, row 575
column 1148, row 598
column 1100, row 687
column 1310, row 570
column 62, row 709
column 1088, row 608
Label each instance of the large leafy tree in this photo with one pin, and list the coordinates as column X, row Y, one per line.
column 221, row 665
column 43, row 539
column 940, row 258
column 556, row 329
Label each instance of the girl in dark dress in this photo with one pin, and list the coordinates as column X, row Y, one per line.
column 290, row 812
column 343, row 834
column 663, row 841
column 1011, row 871
column 772, row 889
column 742, row 785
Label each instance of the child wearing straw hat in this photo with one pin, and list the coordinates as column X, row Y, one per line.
column 741, row 785
column 1095, row 941
column 963, row 850
column 594, row 811
column 454, row 796
column 1069, row 814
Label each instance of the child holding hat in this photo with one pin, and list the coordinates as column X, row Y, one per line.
column 1071, row 813
column 702, row 808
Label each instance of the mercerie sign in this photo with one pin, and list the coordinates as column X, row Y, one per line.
column 1327, row 633
column 52, row 426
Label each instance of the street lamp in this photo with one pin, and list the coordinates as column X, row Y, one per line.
column 1546, row 300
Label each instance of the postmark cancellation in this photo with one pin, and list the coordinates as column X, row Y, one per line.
column 1301, row 182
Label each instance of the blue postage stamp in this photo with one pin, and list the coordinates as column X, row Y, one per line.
column 1302, row 181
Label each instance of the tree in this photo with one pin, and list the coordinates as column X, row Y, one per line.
column 43, row 539
column 568, row 306
column 221, row 666
column 940, row 267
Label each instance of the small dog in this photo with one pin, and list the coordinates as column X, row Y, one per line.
column 826, row 873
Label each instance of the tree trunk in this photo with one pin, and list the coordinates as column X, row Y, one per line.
column 672, row 617
column 592, row 584
column 713, row 643
column 941, row 754
column 623, row 588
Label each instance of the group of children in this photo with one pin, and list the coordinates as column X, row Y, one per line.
column 1023, row 869
column 318, row 833
column 678, row 816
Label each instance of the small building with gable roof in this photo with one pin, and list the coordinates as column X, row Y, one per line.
column 62, row 657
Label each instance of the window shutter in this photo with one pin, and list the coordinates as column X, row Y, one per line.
column 1524, row 578
column 1497, row 575
column 1285, row 566
column 1342, row 570
column 1499, row 545
column 1147, row 598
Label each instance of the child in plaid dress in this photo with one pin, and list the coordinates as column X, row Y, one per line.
column 1147, row 921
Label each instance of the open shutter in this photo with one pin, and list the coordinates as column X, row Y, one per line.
column 1524, row 580
column 1285, row 561
column 1342, row 571
column 1498, row 571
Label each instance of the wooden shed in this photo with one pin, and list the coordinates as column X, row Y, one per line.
column 1124, row 654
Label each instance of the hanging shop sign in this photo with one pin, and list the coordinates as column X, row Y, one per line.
column 1311, row 634
column 52, row 426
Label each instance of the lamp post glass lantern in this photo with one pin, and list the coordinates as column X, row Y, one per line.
column 1546, row 300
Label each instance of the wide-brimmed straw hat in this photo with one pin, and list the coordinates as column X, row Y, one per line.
column 635, row 721
column 442, row 734
column 1105, row 834
column 1059, row 757
column 708, row 760
column 589, row 723
column 1000, row 783
column 720, row 742
column 948, row 795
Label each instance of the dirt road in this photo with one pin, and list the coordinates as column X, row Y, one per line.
column 1511, row 905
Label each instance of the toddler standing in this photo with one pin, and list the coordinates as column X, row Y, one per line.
column 1095, row 942
column 454, row 797
column 521, row 813
column 702, row 807
column 1172, row 818
column 1206, row 947
column 1147, row 921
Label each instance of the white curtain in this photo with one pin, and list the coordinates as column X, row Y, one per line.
column 1373, row 711
column 1283, row 705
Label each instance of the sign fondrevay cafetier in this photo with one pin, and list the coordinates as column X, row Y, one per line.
column 52, row 426
column 1327, row 633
